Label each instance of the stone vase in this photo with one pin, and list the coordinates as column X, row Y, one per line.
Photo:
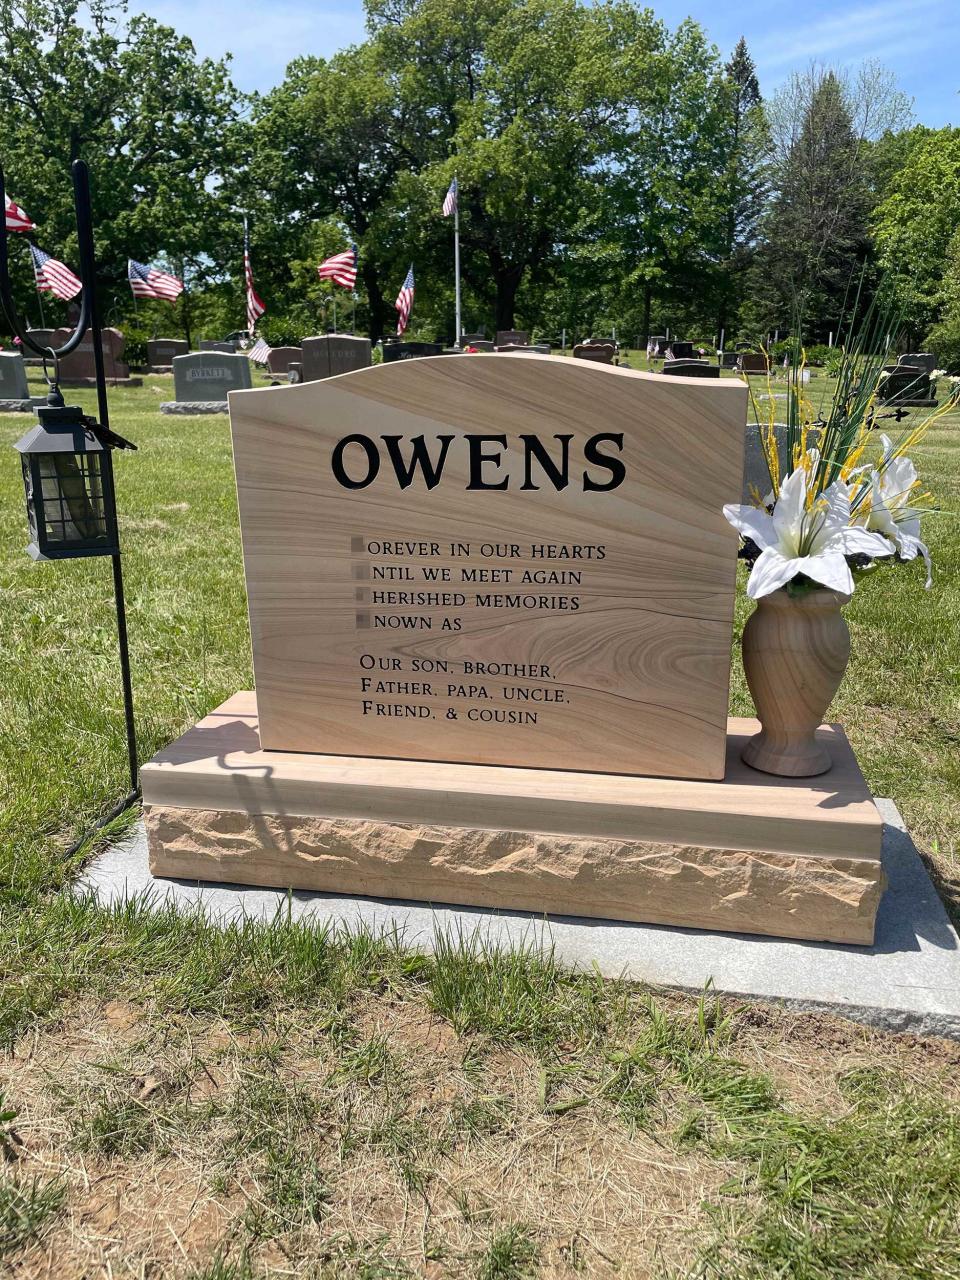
column 795, row 651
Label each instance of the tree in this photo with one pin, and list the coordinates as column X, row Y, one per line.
column 816, row 233
column 152, row 121
column 744, row 180
column 915, row 223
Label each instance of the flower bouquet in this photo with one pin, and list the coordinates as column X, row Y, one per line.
column 836, row 506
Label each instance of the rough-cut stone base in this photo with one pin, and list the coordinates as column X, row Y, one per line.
column 92, row 382
column 15, row 406
column 785, row 895
column 194, row 406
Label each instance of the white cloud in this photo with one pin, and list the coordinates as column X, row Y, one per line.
column 862, row 32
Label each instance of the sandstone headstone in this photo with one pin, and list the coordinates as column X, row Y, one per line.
column 228, row 348
column 691, row 369
column 161, row 351
column 14, row 393
column 79, row 366
column 410, row 350
column 279, row 359
column 512, row 338
column 465, row 560
column 203, row 379
column 331, row 354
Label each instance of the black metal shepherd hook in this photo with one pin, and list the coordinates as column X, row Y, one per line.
column 74, row 451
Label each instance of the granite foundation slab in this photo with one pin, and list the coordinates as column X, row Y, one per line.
column 908, row 979
column 16, row 406
column 194, row 406
column 750, row 853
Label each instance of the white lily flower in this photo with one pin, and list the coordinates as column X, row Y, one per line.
column 890, row 511
column 800, row 539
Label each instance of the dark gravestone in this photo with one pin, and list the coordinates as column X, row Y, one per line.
column 161, row 351
column 14, row 394
column 471, row 339
column 295, row 372
column 477, row 344
column 43, row 338
column 905, row 386
column 691, row 369
column 512, row 338
column 682, row 351
column 600, row 352
column 202, row 380
column 657, row 345
column 333, row 353
column 919, row 360
column 280, row 358
column 228, row 348
column 756, row 474
column 409, row 350
column 78, row 367
column 534, row 349
column 754, row 362
column 729, row 359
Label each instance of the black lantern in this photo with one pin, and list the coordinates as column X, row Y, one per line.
column 68, row 478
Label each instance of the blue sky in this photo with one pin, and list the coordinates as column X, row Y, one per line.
column 918, row 39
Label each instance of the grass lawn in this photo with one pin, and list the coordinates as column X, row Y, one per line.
column 180, row 1101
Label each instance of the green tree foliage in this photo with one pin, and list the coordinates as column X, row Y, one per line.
column 152, row 121
column 915, row 223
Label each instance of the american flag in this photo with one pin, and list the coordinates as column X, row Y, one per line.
column 148, row 282
column 258, row 352
column 16, row 219
column 450, row 199
column 342, row 268
column 255, row 306
column 404, row 302
column 54, row 276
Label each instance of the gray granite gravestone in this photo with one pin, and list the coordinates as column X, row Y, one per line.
column 161, row 351
column 280, row 359
column 925, row 360
column 691, row 369
column 756, row 475
column 409, row 350
column 329, row 354
column 228, row 348
column 600, row 352
column 78, row 368
column 14, row 394
column 202, row 379
column 43, row 338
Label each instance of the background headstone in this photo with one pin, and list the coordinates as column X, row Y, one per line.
column 729, row 359
column 905, row 385
column 756, row 474
column 161, row 351
column 600, row 352
column 14, row 393
column 202, row 380
column 280, row 358
column 409, row 350
column 330, row 354
column 683, row 351
column 657, row 345
column 691, row 369
column 919, row 359
column 295, row 372
column 79, row 365
column 512, row 338
column 753, row 362
column 43, row 338
column 208, row 344
column 471, row 339
column 478, row 344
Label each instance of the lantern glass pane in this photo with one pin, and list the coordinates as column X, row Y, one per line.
column 72, row 499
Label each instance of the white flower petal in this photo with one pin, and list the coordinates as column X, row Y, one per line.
column 752, row 523
column 789, row 511
column 830, row 569
column 771, row 571
column 857, row 541
column 910, row 547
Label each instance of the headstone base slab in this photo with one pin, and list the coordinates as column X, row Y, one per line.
column 18, row 406
column 194, row 406
column 790, row 858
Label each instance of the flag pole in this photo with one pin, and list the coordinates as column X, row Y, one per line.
column 246, row 287
column 456, row 262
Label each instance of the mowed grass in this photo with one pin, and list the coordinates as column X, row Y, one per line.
column 277, row 1100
